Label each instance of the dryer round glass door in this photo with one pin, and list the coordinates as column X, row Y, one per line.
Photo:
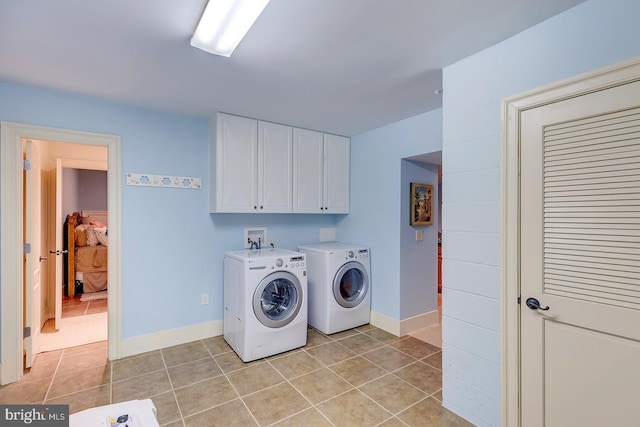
column 277, row 299
column 350, row 285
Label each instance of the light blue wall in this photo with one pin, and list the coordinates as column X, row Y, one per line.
column 589, row 36
column 172, row 247
column 375, row 217
column 418, row 259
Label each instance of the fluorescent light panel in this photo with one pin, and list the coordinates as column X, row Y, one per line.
column 224, row 24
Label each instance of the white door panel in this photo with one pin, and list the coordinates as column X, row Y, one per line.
column 585, row 370
column 31, row 262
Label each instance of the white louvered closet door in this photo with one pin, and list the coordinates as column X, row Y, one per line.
column 580, row 230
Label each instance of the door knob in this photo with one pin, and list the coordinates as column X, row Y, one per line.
column 534, row 304
column 43, row 258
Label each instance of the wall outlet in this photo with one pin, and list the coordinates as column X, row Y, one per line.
column 205, row 298
column 272, row 243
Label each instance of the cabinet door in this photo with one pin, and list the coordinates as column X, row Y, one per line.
column 236, row 160
column 336, row 174
column 275, row 168
column 308, row 170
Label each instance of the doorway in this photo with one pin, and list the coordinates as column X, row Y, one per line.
column 421, row 299
column 12, row 257
column 80, row 317
column 570, row 278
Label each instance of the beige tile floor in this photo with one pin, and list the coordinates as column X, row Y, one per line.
column 360, row 377
column 432, row 334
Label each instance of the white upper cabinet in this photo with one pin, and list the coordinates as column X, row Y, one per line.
column 308, row 171
column 251, row 166
column 321, row 172
column 275, row 168
column 336, row 173
column 263, row 167
column 234, row 158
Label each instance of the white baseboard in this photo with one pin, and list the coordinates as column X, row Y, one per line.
column 404, row 327
column 424, row 320
column 385, row 323
column 170, row 337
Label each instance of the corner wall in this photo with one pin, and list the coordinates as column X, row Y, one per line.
column 592, row 35
column 376, row 201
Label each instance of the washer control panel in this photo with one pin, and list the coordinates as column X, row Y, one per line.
column 296, row 261
column 291, row 263
column 357, row 254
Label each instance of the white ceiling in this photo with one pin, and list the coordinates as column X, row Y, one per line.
column 340, row 66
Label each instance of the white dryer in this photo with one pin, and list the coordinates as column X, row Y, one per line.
column 265, row 302
column 339, row 286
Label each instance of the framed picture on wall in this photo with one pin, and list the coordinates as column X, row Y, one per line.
column 421, row 204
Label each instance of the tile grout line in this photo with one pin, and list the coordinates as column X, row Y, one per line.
column 232, row 386
column 300, row 392
column 353, row 386
column 415, row 360
column 173, row 390
column 55, row 372
column 387, row 372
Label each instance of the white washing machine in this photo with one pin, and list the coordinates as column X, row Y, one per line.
column 265, row 302
column 339, row 286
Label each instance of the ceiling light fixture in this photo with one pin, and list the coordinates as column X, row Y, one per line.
column 224, row 23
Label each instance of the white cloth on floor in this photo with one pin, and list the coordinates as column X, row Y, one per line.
column 139, row 413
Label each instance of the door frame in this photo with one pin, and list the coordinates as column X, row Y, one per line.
column 600, row 79
column 11, row 239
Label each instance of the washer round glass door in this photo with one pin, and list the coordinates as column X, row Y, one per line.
column 277, row 299
column 350, row 284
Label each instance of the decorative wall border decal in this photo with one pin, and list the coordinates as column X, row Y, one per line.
column 147, row 180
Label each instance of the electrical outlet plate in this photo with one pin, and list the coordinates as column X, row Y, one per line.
column 255, row 234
